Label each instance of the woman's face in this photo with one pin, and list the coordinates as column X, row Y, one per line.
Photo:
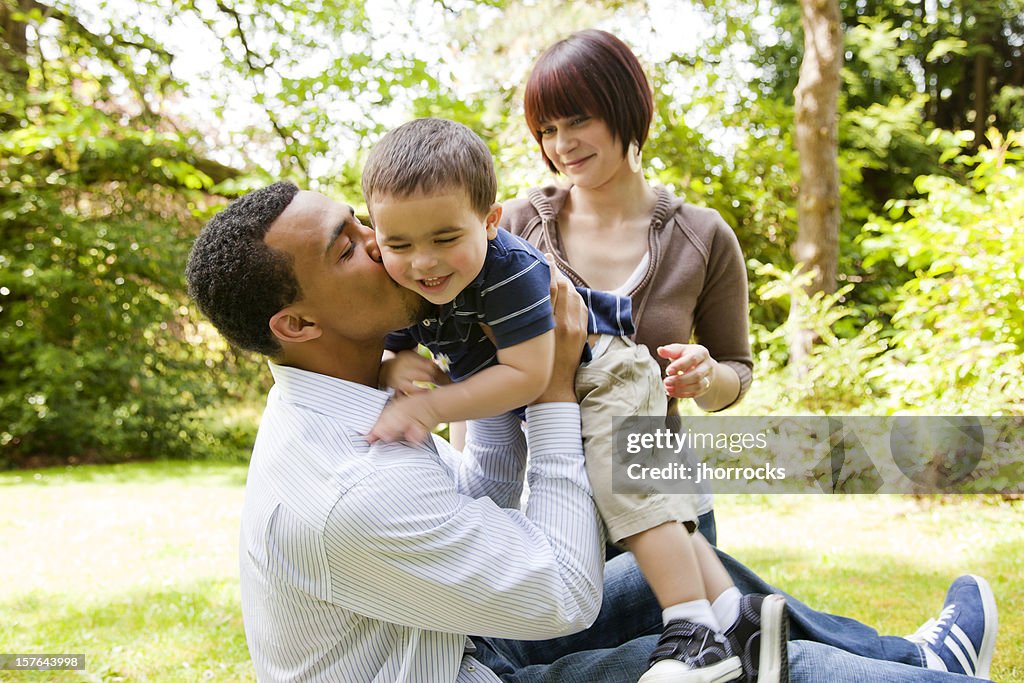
column 584, row 149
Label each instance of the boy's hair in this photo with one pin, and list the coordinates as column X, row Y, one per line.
column 593, row 73
column 429, row 156
column 238, row 281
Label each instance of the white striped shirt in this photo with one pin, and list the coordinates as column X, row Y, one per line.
column 373, row 563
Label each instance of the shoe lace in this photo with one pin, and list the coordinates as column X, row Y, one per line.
column 931, row 630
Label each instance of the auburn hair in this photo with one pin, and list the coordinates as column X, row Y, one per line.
column 595, row 74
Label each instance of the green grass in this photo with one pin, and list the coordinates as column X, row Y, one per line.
column 136, row 565
column 133, row 565
column 885, row 560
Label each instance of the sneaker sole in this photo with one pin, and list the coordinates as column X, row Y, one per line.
column 663, row 672
column 988, row 641
column 773, row 660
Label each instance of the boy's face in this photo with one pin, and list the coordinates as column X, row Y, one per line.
column 434, row 244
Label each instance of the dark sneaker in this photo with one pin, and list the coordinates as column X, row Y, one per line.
column 759, row 639
column 964, row 635
column 691, row 653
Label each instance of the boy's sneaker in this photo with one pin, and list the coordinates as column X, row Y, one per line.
column 691, row 653
column 759, row 638
column 964, row 635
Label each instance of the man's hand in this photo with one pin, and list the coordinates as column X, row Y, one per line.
column 570, row 335
column 409, row 418
column 408, row 372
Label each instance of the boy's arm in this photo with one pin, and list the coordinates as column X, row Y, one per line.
column 522, row 373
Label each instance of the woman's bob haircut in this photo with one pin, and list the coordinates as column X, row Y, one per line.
column 590, row 73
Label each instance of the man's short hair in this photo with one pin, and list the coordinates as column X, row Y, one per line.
column 238, row 281
column 427, row 156
column 593, row 73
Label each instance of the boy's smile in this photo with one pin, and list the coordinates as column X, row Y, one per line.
column 434, row 245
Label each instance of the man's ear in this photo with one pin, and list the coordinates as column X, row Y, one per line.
column 291, row 328
column 492, row 220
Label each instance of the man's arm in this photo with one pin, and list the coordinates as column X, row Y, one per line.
column 492, row 462
column 494, row 457
column 405, row 547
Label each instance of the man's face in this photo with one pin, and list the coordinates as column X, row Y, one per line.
column 433, row 245
column 345, row 289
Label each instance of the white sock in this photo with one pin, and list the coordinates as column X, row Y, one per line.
column 697, row 611
column 727, row 607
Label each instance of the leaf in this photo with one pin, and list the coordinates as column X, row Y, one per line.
column 946, row 46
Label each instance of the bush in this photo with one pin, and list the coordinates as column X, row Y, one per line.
column 950, row 341
column 958, row 323
column 102, row 361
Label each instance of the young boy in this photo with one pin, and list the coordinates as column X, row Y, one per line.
column 430, row 189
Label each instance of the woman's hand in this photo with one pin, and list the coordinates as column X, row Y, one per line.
column 691, row 372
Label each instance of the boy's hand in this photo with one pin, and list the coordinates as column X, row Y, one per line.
column 409, row 418
column 402, row 373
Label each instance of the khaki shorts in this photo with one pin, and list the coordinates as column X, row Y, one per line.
column 624, row 381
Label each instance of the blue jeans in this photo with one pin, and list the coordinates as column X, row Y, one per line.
column 616, row 648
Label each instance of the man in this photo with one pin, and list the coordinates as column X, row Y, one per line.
column 376, row 563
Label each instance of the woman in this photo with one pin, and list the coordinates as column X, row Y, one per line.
column 589, row 106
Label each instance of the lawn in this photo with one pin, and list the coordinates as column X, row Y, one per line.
column 136, row 566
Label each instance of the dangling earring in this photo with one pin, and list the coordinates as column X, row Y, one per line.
column 633, row 155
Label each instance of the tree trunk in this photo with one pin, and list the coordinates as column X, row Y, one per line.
column 981, row 94
column 817, row 142
column 13, row 40
column 13, row 53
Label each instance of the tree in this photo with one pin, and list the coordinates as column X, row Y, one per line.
column 104, row 184
column 100, row 196
column 817, row 140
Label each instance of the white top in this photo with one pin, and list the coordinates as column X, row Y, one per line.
column 373, row 563
column 631, row 283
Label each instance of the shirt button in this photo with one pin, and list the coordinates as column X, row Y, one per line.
column 471, row 668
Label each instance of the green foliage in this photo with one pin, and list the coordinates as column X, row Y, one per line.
column 958, row 324
column 102, row 359
column 950, row 338
column 105, row 179
column 908, row 47
column 842, row 375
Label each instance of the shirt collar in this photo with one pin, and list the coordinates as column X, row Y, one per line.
column 357, row 404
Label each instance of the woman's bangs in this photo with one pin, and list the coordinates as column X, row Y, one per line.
column 555, row 95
